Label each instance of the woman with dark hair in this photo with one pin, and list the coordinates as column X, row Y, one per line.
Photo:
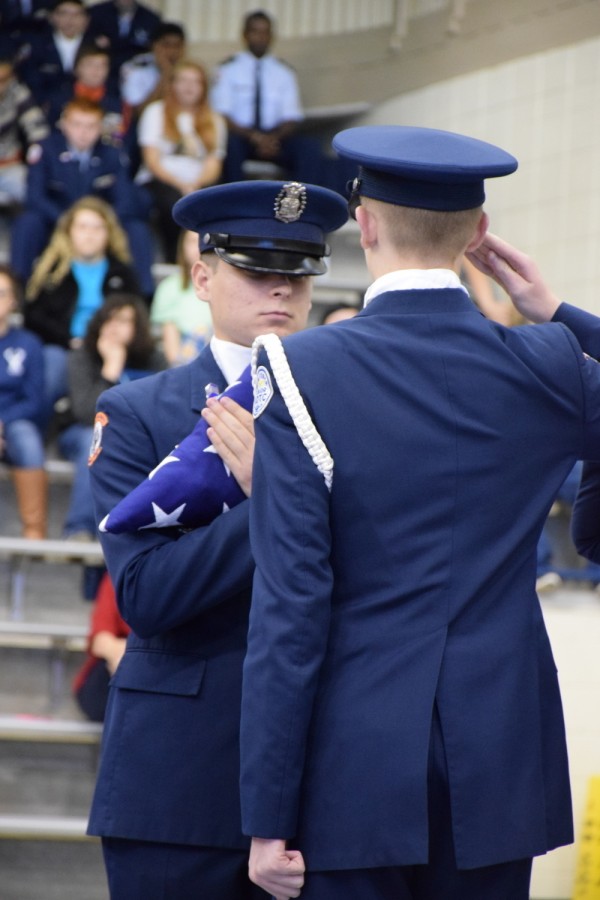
column 117, row 347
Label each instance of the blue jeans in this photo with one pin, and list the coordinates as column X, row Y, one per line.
column 24, row 445
column 74, row 444
column 56, row 379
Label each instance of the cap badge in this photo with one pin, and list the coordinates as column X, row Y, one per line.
column 290, row 202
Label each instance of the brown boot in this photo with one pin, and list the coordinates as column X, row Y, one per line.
column 31, row 487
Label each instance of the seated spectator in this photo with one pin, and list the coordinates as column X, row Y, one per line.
column 106, row 645
column 22, row 123
column 90, row 72
column 259, row 97
column 72, row 163
column 48, row 63
column 182, row 143
column 124, row 28
column 21, row 393
column 118, row 347
column 19, row 19
column 184, row 320
column 86, row 260
column 146, row 76
column 338, row 313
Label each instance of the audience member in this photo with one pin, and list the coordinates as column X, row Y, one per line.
column 259, row 97
column 48, row 63
column 22, row 123
column 71, row 163
column 117, row 347
column 86, row 260
column 182, row 143
column 124, row 28
column 106, row 646
column 145, row 77
column 90, row 72
column 185, row 324
column 339, row 313
column 21, row 393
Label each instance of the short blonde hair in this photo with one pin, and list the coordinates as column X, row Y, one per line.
column 425, row 231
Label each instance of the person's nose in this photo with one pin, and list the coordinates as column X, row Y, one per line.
column 283, row 286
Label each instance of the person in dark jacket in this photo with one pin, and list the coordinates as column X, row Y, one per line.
column 86, row 260
column 74, row 162
column 118, row 347
column 124, row 27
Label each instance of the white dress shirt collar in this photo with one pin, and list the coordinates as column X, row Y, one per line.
column 232, row 359
column 413, row 280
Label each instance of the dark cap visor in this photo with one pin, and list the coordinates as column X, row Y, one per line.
column 279, row 262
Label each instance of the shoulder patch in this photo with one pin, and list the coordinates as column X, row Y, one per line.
column 100, row 423
column 263, row 391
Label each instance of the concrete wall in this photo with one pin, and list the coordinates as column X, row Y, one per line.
column 544, row 108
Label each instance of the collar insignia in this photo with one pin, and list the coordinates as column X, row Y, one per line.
column 290, row 202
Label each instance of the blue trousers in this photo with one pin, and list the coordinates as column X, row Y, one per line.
column 140, row 870
column 24, row 444
column 74, row 443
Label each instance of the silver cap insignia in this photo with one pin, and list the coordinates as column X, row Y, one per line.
column 290, row 202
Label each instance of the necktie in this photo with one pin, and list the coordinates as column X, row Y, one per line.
column 257, row 97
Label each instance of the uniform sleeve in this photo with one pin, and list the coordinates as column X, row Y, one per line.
column 584, row 325
column 221, row 95
column 290, row 102
column 585, row 519
column 289, row 622
column 162, row 579
column 38, row 178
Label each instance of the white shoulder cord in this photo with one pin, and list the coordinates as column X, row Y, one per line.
column 305, row 427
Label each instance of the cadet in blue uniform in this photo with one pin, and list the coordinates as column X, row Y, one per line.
column 402, row 733
column 70, row 164
column 167, row 796
column 49, row 57
column 124, row 27
column 259, row 97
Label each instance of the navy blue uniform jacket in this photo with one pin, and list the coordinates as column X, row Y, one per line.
column 169, row 768
column 411, row 583
column 54, row 181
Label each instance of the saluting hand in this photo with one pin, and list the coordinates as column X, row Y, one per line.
column 518, row 275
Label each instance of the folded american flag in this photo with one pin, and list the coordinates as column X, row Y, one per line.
column 190, row 487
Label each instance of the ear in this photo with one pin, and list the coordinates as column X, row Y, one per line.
column 202, row 275
column 368, row 227
column 482, row 227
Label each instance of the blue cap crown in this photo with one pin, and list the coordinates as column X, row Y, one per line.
column 422, row 167
column 271, row 226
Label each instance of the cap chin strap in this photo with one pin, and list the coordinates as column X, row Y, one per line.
column 292, row 398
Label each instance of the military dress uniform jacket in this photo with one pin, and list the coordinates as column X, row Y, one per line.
column 169, row 769
column 55, row 180
column 411, row 584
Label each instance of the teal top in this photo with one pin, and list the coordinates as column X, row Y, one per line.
column 190, row 315
column 90, row 280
